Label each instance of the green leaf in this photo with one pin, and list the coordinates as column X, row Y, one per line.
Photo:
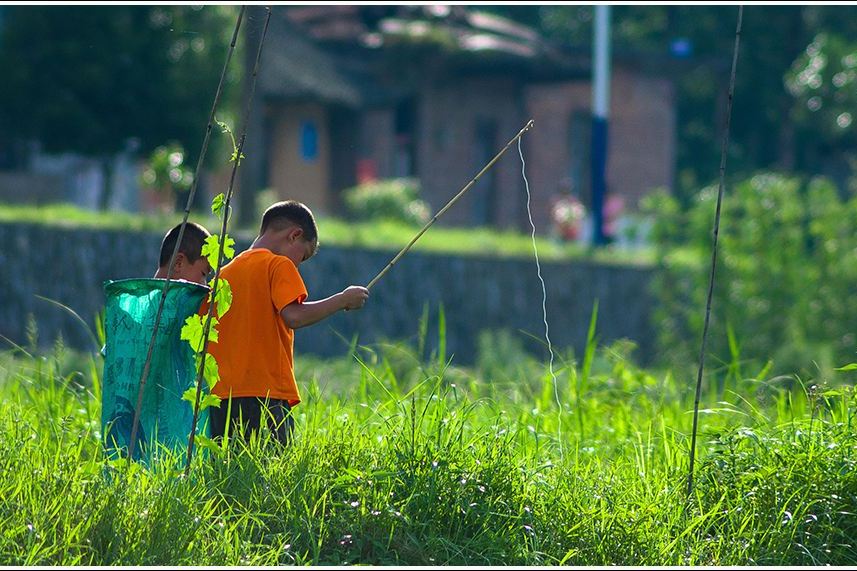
column 211, row 374
column 217, row 204
column 211, row 249
column 849, row 367
column 192, row 331
column 208, row 401
column 228, row 248
column 212, row 332
column 207, row 443
column 190, row 395
column 223, row 298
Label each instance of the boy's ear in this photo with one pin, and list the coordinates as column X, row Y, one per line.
column 181, row 260
column 295, row 233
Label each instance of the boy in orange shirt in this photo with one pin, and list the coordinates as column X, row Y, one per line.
column 255, row 347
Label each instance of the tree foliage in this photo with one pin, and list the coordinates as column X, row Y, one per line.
column 88, row 78
column 785, row 277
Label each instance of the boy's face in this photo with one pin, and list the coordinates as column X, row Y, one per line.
column 296, row 248
column 193, row 272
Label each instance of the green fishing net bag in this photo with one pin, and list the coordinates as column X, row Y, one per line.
column 129, row 319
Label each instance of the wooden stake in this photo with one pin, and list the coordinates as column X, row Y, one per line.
column 723, row 153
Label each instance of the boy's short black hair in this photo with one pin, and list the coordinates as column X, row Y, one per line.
column 281, row 215
column 191, row 246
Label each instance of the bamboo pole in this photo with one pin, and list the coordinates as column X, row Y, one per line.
column 190, row 198
column 216, row 281
column 723, row 153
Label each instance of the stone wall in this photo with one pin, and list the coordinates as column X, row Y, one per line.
column 477, row 293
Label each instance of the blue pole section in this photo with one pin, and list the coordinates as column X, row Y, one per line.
column 600, row 111
column 599, row 184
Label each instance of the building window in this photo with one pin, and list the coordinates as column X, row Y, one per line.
column 405, row 124
column 309, row 141
column 485, row 190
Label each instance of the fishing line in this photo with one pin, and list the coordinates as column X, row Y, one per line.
column 544, row 300
column 448, row 205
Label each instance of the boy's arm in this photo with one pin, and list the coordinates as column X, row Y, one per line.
column 297, row 315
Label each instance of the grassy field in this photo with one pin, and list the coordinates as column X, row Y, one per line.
column 408, row 460
column 379, row 235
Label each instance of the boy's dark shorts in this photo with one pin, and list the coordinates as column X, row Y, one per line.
column 249, row 411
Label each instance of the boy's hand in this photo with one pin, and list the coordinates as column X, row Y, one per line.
column 297, row 315
column 354, row 297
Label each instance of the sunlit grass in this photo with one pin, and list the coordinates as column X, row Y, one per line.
column 482, row 241
column 71, row 216
column 380, row 235
column 403, row 459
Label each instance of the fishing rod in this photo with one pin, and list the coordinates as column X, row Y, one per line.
column 449, row 204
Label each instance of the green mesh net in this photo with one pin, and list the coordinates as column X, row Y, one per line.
column 129, row 319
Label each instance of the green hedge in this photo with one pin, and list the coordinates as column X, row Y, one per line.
column 786, row 271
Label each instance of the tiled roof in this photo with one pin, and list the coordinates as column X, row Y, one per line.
column 342, row 53
column 457, row 28
column 295, row 66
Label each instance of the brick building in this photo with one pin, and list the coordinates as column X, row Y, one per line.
column 348, row 93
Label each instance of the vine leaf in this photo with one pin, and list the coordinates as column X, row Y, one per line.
column 211, row 372
column 192, row 332
column 209, row 401
column 205, row 402
column 229, row 248
column 207, row 443
column 217, row 204
column 223, row 299
column 211, row 249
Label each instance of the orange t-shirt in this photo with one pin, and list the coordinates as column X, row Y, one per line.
column 255, row 349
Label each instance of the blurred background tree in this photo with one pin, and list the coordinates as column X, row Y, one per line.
column 387, row 199
column 149, row 72
column 89, row 78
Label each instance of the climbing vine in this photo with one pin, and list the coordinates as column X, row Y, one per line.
column 193, row 330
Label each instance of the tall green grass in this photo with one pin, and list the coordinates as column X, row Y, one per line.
column 406, row 459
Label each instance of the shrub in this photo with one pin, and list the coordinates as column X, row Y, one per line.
column 166, row 171
column 393, row 199
column 786, row 268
